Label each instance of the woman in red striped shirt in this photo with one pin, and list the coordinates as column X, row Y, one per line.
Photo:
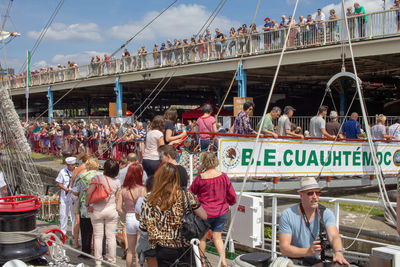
column 215, row 194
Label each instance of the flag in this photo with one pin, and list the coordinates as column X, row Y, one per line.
column 28, row 73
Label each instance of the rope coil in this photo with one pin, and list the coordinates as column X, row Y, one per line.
column 18, row 237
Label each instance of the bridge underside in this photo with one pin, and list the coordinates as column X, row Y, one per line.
column 301, row 85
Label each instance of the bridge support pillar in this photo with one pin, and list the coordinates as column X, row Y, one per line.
column 118, row 92
column 88, row 106
column 241, row 77
column 141, row 107
column 50, row 105
column 219, row 101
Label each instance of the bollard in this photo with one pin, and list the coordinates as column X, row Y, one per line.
column 275, row 182
column 18, row 214
column 328, row 180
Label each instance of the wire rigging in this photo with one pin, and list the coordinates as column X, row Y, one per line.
column 43, row 33
column 103, row 62
column 143, row 28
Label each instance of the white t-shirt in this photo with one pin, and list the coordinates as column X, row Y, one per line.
column 394, row 130
column 377, row 132
column 320, row 17
column 2, row 183
column 316, row 125
column 151, row 150
column 283, row 125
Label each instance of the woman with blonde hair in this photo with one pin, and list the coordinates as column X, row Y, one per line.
column 132, row 189
column 378, row 131
column 161, row 216
column 215, row 193
column 81, row 184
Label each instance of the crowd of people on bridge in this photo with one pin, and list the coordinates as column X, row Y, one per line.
column 307, row 30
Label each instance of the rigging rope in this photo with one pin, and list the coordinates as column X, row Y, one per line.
column 228, row 235
column 151, row 93
column 43, row 33
column 203, row 28
column 378, row 170
column 103, row 62
column 143, row 28
column 213, row 14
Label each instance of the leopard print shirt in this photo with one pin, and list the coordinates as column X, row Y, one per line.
column 164, row 227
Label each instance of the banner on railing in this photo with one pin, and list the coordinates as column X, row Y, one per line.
column 292, row 157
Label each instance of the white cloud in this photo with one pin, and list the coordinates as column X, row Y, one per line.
column 369, row 5
column 81, row 58
column 13, row 63
column 40, row 64
column 182, row 21
column 73, row 32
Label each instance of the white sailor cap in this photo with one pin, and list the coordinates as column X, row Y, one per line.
column 70, row 160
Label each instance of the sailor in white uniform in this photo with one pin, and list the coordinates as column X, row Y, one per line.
column 66, row 203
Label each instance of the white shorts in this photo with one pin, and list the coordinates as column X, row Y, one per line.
column 132, row 225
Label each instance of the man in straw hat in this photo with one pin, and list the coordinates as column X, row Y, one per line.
column 303, row 225
column 66, row 204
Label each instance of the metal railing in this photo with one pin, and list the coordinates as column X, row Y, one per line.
column 304, row 121
column 374, row 25
column 336, row 210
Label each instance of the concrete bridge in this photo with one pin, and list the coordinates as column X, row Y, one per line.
column 205, row 71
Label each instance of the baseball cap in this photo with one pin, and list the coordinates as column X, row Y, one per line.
column 267, row 18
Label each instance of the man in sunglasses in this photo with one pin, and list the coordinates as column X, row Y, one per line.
column 303, row 225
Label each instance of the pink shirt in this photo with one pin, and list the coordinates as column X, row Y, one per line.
column 205, row 124
column 215, row 194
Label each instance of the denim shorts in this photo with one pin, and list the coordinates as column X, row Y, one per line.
column 217, row 224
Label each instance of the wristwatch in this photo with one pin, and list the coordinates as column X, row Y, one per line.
column 339, row 250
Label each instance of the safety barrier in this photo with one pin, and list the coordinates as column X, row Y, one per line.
column 362, row 27
column 99, row 148
column 304, row 121
column 336, row 210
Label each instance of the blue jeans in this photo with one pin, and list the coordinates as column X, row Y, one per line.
column 204, row 144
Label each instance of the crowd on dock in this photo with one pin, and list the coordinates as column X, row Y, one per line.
column 307, row 30
column 114, row 140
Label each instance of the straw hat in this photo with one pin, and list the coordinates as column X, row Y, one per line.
column 308, row 183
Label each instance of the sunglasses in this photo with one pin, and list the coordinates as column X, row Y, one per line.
column 311, row 193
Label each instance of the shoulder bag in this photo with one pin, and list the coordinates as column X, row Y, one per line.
column 192, row 225
column 100, row 192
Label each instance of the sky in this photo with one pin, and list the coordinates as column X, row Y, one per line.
column 83, row 28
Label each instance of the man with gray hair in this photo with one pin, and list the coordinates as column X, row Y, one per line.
column 267, row 127
column 333, row 126
column 284, row 124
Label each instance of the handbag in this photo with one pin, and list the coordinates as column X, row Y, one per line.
column 100, row 192
column 192, row 225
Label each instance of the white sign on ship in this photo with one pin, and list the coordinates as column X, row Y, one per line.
column 292, row 157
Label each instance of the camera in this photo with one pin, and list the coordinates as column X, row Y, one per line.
column 323, row 238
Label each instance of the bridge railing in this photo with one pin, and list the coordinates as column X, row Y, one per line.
column 362, row 27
